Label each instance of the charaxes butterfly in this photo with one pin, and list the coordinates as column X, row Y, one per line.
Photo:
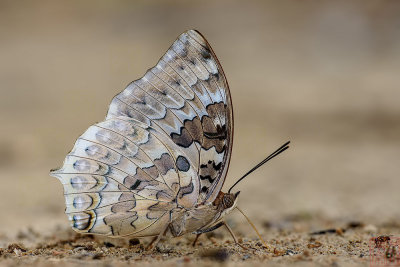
column 160, row 158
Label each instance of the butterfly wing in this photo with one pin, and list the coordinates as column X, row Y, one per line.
column 186, row 97
column 121, row 178
column 166, row 142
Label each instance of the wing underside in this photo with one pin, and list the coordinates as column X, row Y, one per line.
column 166, row 142
column 186, row 97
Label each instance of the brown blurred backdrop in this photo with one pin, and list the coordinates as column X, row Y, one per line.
column 323, row 74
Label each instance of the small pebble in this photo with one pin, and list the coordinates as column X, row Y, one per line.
column 289, row 252
column 245, row 257
column 315, row 244
column 77, row 249
column 17, row 252
column 109, row 245
column 370, row 228
column 355, row 224
column 134, row 242
column 220, row 255
column 97, row 256
column 12, row 247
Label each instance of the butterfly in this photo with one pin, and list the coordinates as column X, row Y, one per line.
column 158, row 161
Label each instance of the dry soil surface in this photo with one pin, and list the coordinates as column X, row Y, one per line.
column 290, row 242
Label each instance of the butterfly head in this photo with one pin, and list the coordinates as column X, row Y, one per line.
column 229, row 200
column 226, row 202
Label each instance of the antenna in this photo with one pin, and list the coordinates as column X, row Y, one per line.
column 274, row 154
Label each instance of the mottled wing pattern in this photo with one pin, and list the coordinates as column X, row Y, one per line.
column 165, row 143
column 121, row 179
column 186, row 97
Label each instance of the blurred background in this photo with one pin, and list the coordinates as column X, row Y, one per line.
column 323, row 74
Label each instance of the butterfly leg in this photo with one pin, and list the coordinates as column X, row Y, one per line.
column 157, row 239
column 195, row 240
column 151, row 243
column 233, row 236
column 199, row 232
column 212, row 228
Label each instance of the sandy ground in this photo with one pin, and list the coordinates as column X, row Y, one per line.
column 289, row 242
column 321, row 74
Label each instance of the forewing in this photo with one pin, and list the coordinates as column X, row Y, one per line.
column 186, row 98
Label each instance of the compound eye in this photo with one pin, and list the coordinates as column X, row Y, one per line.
column 228, row 201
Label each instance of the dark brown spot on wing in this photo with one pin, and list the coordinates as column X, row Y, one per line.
column 205, row 132
column 165, row 163
column 184, row 139
column 182, row 163
column 185, row 190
